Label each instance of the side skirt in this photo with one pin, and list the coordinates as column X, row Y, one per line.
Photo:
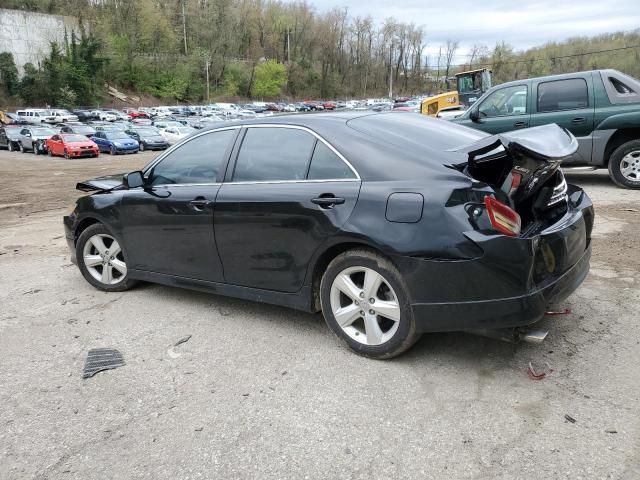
column 300, row 300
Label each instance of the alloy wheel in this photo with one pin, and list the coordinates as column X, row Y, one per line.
column 630, row 166
column 103, row 258
column 365, row 306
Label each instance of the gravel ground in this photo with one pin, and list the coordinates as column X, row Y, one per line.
column 264, row 392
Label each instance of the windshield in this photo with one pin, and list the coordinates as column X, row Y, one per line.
column 43, row 131
column 75, row 138
column 185, row 130
column 147, row 132
column 117, row 136
column 84, row 130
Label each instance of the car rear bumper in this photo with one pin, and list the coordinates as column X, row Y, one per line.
column 511, row 284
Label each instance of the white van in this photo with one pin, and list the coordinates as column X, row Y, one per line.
column 36, row 115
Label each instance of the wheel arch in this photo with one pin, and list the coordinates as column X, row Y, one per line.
column 326, row 257
column 83, row 225
column 620, row 137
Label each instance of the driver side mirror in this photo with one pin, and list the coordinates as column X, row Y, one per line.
column 133, row 180
column 474, row 114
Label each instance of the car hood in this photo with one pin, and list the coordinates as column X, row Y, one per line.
column 41, row 137
column 80, row 144
column 154, row 138
column 101, row 184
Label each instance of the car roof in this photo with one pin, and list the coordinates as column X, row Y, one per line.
column 383, row 146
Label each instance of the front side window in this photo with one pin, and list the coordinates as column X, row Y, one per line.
column 559, row 95
column 326, row 165
column 273, row 154
column 197, row 161
column 504, row 102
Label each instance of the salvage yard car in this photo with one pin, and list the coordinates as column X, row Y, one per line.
column 10, row 137
column 115, row 141
column 71, row 145
column 601, row 108
column 34, row 139
column 392, row 224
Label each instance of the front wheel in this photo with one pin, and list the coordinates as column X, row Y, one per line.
column 66, row 154
column 112, row 150
column 142, row 147
column 21, row 148
column 101, row 260
column 364, row 302
column 624, row 165
column 11, row 147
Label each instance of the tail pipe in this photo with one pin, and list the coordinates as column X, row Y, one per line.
column 513, row 335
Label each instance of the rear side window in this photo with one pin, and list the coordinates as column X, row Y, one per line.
column 326, row 165
column 563, row 95
column 197, row 161
column 272, row 154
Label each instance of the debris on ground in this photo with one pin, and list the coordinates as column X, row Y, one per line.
column 569, row 418
column 174, row 354
column 533, row 374
column 99, row 359
column 182, row 340
column 566, row 311
column 611, row 430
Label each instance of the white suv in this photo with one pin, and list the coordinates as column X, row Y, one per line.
column 60, row 116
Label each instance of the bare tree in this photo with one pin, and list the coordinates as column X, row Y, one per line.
column 449, row 54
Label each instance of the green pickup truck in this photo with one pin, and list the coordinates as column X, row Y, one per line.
column 600, row 107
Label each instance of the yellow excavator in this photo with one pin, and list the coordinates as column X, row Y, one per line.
column 4, row 120
column 470, row 85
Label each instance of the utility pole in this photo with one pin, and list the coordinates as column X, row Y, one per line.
column 288, row 47
column 391, row 71
column 184, row 28
column 438, row 74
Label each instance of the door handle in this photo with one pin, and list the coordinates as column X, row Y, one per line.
column 200, row 203
column 327, row 200
column 520, row 124
column 579, row 120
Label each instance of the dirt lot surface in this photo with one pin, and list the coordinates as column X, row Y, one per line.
column 265, row 392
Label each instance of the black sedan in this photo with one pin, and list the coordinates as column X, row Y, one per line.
column 392, row 224
column 149, row 138
column 10, row 137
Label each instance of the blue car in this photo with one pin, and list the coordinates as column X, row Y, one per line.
column 115, row 141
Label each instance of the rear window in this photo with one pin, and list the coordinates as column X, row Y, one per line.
column 559, row 95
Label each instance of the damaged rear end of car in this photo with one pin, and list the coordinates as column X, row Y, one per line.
column 531, row 231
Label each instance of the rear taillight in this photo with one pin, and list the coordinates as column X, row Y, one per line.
column 503, row 218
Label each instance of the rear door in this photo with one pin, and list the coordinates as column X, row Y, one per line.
column 569, row 103
column 285, row 193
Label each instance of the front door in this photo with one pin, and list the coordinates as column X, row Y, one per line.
column 503, row 110
column 168, row 224
column 288, row 192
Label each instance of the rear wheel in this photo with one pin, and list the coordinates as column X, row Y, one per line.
column 101, row 260
column 364, row 302
column 624, row 165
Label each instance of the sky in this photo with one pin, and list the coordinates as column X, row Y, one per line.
column 522, row 24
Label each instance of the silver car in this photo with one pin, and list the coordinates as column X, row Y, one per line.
column 34, row 139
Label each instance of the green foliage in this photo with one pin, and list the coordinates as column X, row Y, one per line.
column 269, row 78
column 8, row 74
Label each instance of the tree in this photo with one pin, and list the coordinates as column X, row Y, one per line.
column 8, row 74
column 269, row 78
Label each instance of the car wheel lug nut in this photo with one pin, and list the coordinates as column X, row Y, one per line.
column 371, row 312
column 372, row 300
column 361, row 294
column 362, row 312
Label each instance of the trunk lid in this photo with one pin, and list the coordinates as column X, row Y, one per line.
column 100, row 184
column 523, row 167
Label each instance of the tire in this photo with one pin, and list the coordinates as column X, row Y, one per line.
column 10, row 147
column 49, row 152
column 624, row 165
column 35, row 150
column 112, row 150
column 86, row 250
column 21, row 148
column 66, row 154
column 372, row 335
column 141, row 147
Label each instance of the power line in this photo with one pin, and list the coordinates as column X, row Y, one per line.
column 513, row 62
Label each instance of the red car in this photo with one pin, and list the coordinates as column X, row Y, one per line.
column 328, row 105
column 71, row 145
column 133, row 113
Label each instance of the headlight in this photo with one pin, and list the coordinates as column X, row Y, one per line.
column 117, row 144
